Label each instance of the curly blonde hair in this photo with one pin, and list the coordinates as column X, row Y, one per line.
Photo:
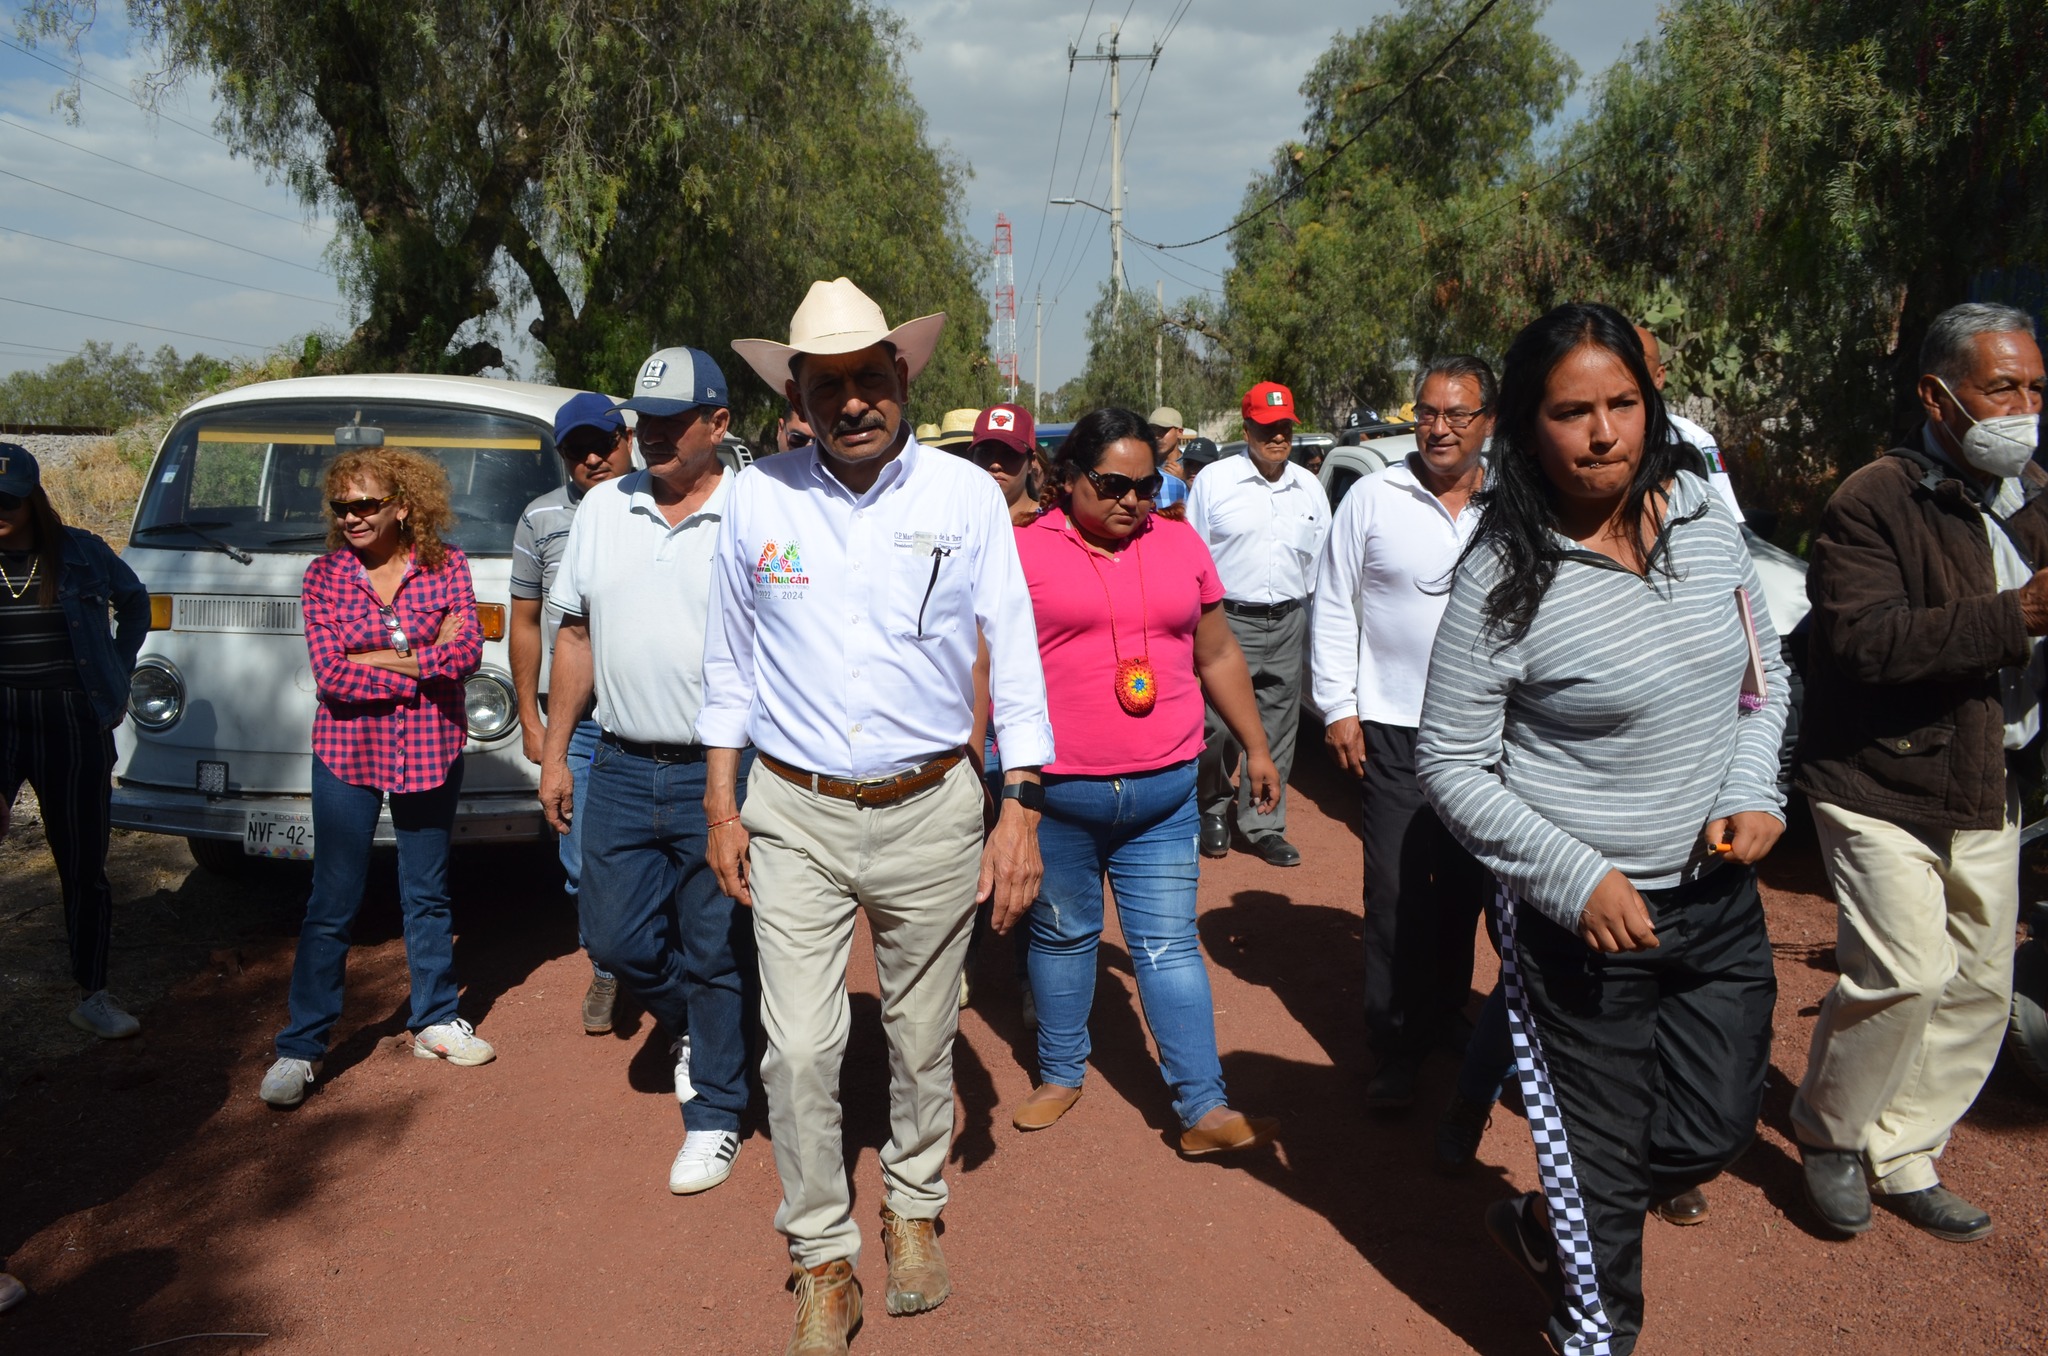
column 418, row 481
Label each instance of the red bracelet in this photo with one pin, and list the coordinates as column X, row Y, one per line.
column 723, row 822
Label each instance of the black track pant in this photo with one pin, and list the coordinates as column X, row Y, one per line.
column 52, row 740
column 1643, row 1073
column 1423, row 896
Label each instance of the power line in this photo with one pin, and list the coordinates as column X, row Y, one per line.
column 164, row 178
column 146, row 263
column 135, row 324
column 78, row 73
column 211, row 240
column 1284, row 194
column 1051, row 176
column 1066, row 218
column 44, row 348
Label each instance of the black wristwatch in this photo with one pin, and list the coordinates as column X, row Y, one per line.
column 1030, row 795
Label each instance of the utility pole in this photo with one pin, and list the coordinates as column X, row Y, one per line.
column 1159, row 347
column 1116, row 154
column 1037, row 351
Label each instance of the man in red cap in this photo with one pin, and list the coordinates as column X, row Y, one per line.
column 1005, row 446
column 1264, row 519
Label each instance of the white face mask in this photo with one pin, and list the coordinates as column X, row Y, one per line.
column 2001, row 446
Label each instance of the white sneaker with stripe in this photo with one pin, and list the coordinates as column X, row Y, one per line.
column 704, row 1161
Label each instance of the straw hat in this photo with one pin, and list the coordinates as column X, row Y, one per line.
column 927, row 433
column 837, row 317
column 955, row 430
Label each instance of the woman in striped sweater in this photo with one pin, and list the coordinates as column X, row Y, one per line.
column 1599, row 730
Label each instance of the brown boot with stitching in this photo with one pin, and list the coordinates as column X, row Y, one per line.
column 827, row 1309
column 918, row 1279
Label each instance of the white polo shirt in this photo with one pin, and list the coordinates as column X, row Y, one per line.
column 845, row 642
column 646, row 589
column 1381, row 587
column 1717, row 470
column 1264, row 535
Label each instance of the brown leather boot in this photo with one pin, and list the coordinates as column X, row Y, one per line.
column 827, row 1309
column 1046, row 1104
column 918, row 1279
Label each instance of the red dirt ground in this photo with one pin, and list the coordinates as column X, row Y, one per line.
column 522, row 1207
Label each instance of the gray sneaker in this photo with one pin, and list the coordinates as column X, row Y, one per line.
column 287, row 1081
column 103, row 1017
column 455, row 1041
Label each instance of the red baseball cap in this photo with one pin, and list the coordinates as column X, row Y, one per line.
column 1268, row 403
column 1009, row 425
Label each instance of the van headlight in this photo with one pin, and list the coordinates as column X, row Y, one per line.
column 492, row 707
column 156, row 694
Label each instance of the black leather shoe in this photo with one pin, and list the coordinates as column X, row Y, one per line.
column 1215, row 836
column 1942, row 1213
column 1277, row 850
column 1836, row 1188
column 1392, row 1086
column 1458, row 1133
column 1687, row 1207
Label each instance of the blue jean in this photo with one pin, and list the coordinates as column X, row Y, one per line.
column 1490, row 1058
column 344, row 822
column 582, row 744
column 654, row 916
column 1141, row 831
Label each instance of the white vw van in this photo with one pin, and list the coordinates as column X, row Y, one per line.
column 218, row 744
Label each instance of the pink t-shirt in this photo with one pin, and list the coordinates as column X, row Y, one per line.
column 1073, row 592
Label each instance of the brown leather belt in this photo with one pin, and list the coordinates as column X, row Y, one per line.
column 871, row 792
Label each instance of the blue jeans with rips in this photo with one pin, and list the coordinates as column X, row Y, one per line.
column 344, row 822
column 582, row 744
column 1140, row 831
column 655, row 917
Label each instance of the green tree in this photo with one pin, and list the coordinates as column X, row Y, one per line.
column 1127, row 342
column 101, row 386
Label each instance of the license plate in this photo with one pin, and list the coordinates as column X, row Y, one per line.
column 270, row 834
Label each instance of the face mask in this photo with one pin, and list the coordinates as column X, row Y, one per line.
column 2000, row 446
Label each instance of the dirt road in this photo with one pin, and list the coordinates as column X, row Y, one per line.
column 522, row 1207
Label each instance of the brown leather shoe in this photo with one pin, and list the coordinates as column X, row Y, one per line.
column 1687, row 1207
column 827, row 1309
column 1046, row 1104
column 1238, row 1132
column 918, row 1279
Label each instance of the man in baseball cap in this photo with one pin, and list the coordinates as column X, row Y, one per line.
column 1004, row 444
column 1166, row 427
column 1264, row 519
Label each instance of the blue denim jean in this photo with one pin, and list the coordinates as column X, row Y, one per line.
column 344, row 822
column 1141, row 832
column 654, row 916
column 582, row 744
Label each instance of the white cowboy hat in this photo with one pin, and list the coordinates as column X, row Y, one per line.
column 838, row 317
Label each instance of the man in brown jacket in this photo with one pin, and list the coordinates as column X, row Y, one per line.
column 1925, row 675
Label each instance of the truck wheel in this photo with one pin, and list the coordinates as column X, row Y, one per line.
column 2026, row 1036
column 219, row 856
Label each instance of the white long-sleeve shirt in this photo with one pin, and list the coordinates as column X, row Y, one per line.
column 845, row 635
column 1263, row 534
column 1381, row 586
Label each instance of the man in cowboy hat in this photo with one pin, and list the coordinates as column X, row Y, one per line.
column 956, row 431
column 853, row 577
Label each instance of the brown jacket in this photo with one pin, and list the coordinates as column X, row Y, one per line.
column 1903, row 719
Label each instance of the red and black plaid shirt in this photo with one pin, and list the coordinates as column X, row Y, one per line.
column 374, row 727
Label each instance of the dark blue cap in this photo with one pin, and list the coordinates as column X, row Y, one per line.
column 676, row 381
column 18, row 471
column 587, row 409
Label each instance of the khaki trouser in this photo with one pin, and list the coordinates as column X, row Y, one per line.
column 1908, row 1035
column 913, row 867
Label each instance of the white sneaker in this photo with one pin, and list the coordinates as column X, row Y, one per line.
column 12, row 1292
column 287, row 1081
column 456, row 1042
column 704, row 1161
column 103, row 1017
column 684, row 1092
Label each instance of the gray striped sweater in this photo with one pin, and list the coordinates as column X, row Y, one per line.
column 1611, row 732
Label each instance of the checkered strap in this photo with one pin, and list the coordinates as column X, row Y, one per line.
column 1592, row 1333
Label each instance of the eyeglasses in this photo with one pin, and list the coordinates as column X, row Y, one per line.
column 10, row 502
column 1114, row 487
column 797, row 440
column 1458, row 420
column 361, row 508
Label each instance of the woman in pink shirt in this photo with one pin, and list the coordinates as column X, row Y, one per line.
column 1133, row 638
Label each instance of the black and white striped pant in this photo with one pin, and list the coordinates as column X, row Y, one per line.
column 53, row 740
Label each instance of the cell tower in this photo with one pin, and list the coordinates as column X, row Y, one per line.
column 1006, row 307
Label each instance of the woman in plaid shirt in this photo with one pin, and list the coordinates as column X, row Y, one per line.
column 392, row 633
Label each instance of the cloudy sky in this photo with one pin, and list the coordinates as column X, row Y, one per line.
column 994, row 82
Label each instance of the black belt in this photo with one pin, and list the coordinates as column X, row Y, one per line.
column 659, row 753
column 1272, row 610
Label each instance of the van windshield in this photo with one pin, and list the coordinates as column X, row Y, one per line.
column 252, row 476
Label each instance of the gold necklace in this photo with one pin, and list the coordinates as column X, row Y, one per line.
column 13, row 592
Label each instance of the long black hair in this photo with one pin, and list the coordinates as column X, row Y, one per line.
column 1519, row 502
column 1091, row 436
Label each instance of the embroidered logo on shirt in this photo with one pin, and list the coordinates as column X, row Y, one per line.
column 779, row 572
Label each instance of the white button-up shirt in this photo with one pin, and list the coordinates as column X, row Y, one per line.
column 845, row 642
column 1264, row 535
column 646, row 589
column 1381, row 588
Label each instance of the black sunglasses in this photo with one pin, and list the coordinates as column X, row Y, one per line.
column 362, row 508
column 797, row 440
column 10, row 502
column 1114, row 487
